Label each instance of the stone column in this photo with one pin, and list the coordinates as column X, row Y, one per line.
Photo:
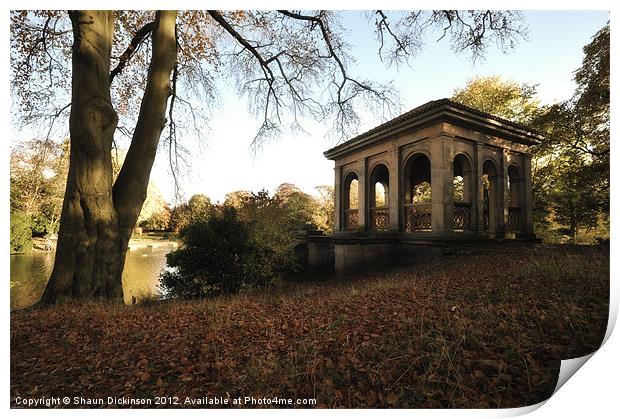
column 469, row 193
column 516, row 189
column 502, row 190
column 394, row 189
column 338, row 199
column 478, row 198
column 441, row 185
column 362, row 200
column 527, row 225
column 468, row 184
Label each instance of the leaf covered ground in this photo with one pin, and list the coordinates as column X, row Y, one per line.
column 485, row 327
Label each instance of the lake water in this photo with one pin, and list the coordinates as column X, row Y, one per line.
column 30, row 273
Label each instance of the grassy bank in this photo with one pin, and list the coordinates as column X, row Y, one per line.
column 486, row 328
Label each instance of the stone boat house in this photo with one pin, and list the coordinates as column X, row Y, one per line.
column 438, row 174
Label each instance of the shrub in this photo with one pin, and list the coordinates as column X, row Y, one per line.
column 21, row 232
column 218, row 255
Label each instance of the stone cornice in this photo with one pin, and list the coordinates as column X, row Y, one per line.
column 443, row 110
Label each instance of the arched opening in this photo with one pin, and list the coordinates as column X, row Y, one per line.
column 379, row 208
column 462, row 192
column 350, row 201
column 418, row 192
column 490, row 195
column 513, row 223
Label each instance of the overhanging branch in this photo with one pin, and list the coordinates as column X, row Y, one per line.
column 137, row 39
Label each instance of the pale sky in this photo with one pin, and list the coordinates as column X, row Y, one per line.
column 224, row 162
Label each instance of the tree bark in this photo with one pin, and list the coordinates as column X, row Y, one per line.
column 98, row 217
column 131, row 185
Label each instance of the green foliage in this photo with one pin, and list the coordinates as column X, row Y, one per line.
column 275, row 220
column 219, row 255
column 324, row 219
column 457, row 190
column 21, row 234
column 571, row 199
column 353, row 194
column 38, row 174
column 571, row 166
column 379, row 195
column 593, row 76
column 422, row 193
column 503, row 98
column 299, row 206
column 248, row 241
column 197, row 208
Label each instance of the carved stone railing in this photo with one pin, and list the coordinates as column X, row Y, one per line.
column 513, row 223
column 350, row 219
column 462, row 216
column 418, row 217
column 380, row 218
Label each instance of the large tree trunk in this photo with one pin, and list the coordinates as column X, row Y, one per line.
column 98, row 217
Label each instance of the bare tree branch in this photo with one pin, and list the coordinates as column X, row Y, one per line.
column 138, row 38
column 343, row 98
column 382, row 25
column 290, row 64
column 55, row 117
column 264, row 63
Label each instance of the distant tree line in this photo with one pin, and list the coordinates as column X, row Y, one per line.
column 38, row 178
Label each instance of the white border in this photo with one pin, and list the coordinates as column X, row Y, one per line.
column 592, row 393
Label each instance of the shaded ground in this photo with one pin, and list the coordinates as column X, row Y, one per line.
column 485, row 328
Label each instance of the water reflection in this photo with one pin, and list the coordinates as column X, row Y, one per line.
column 30, row 272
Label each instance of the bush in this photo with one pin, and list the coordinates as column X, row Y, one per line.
column 21, row 232
column 218, row 255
